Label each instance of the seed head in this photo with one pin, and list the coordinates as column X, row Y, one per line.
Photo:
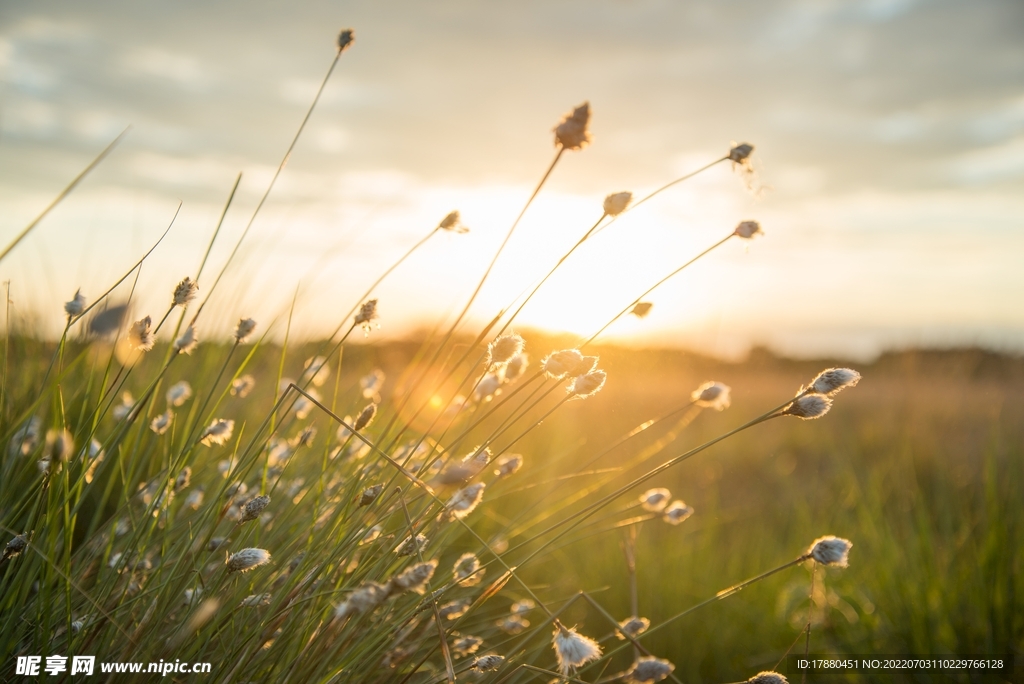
column 185, row 292
column 588, row 385
column 513, row 624
column 487, row 663
column 141, row 336
column 516, row 366
column 561, row 363
column 247, row 559
column 453, row 610
column 367, row 314
column 523, row 606
column 26, row 438
column 58, row 446
column 641, row 309
column 808, row 406
column 502, row 349
column 254, row 600
column 633, row 627
column 834, row 380
column 676, row 513
column 187, row 342
column 160, row 424
column 218, row 432
column 76, row 306
column 253, row 507
column 416, row 577
column 411, row 545
column 467, row 572
column 712, row 395
column 617, row 202
column 831, row 551
column 122, row 410
column 18, row 544
column 489, row 385
column 748, row 229
column 452, row 223
column 365, row 417
column 184, row 479
column 767, row 678
column 363, row 599
column 244, row 329
column 372, row 383
column 345, row 39
column 572, row 133
column 369, row 494
column 573, row 649
column 649, row 669
column 508, row 465
column 465, row 645
column 315, row 371
column 655, row 500
column 240, row 387
column 739, row 153
column 179, row 393
column 465, row 500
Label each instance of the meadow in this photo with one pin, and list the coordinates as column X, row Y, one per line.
column 490, row 506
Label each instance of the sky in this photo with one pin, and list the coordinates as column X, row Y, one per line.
column 889, row 164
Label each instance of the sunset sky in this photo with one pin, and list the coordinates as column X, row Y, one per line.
column 889, row 154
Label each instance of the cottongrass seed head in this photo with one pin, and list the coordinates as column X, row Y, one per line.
column 253, row 507
column 369, row 494
column 676, row 512
column 508, row 464
column 649, row 669
column 641, row 309
column 834, row 380
column 633, row 626
column 714, row 395
column 411, row 545
column 76, row 306
column 453, row 610
column 18, row 544
column 467, row 572
column 247, row 559
column 516, row 366
column 831, row 550
column 367, row 314
column 572, row 649
column 466, row 645
column 504, row 348
column 767, row 677
column 748, row 229
column 363, row 599
column 160, row 424
column 588, row 385
column 218, row 432
column 740, row 153
column 487, row 663
column 140, row 335
column 365, row 417
column 244, row 328
column 185, row 292
column 179, row 393
column 415, row 577
column 464, row 501
column 572, row 132
column 616, row 203
column 345, row 38
column 187, row 342
column 808, row 406
column 562, row 363
column 452, row 223
column 655, row 500
column 241, row 386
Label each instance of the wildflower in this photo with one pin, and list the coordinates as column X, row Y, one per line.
column 573, row 649
column 767, row 678
column 655, row 500
column 831, row 551
column 411, row 545
column 178, row 393
column 712, row 395
column 363, row 599
column 649, row 669
column 641, row 309
column 633, row 627
column 616, row 203
column 416, row 577
column 26, row 438
column 453, row 610
column 253, row 600
column 218, row 432
column 572, row 133
column 187, row 342
column 502, row 349
column 240, row 387
column 808, row 406
column 345, row 39
column 516, row 366
column 315, row 371
column 141, row 334
column 487, row 663
column 247, row 559
column 513, row 624
column 160, row 424
column 467, row 572
column 739, row 153
column 121, row 411
column 588, row 385
column 183, row 479
column 465, row 645
column 452, row 223
column 676, row 513
column 748, row 229
column 371, row 383
column 244, row 329
column 18, row 544
column 465, row 500
column 185, row 292
column 76, row 306
column 834, row 380
column 508, row 465
column 253, row 507
column 369, row 494
column 365, row 417
column 367, row 314
column 523, row 606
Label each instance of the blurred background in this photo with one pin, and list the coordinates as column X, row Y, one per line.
column 889, row 162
